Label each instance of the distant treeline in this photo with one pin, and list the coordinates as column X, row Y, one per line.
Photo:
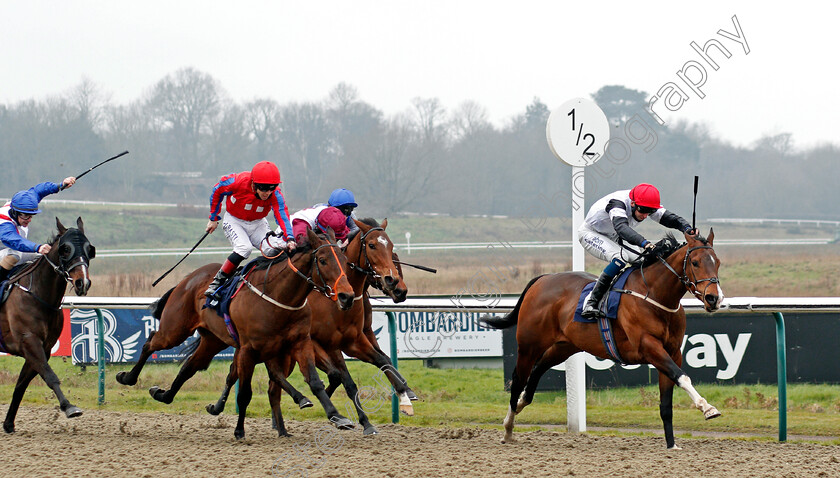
column 185, row 132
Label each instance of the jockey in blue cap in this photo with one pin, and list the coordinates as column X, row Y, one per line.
column 15, row 217
column 343, row 200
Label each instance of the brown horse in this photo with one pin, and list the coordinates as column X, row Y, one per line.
column 649, row 328
column 31, row 320
column 370, row 261
column 269, row 317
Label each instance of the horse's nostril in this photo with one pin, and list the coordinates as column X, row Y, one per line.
column 711, row 299
column 390, row 281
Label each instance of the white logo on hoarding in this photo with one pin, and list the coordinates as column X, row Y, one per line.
column 84, row 343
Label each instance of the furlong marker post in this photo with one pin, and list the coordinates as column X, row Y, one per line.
column 577, row 134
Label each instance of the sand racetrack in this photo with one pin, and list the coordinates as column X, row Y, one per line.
column 104, row 443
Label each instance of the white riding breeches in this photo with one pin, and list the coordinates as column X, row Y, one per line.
column 603, row 247
column 16, row 257
column 244, row 236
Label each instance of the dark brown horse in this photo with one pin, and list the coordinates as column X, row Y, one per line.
column 31, row 319
column 370, row 261
column 649, row 328
column 269, row 316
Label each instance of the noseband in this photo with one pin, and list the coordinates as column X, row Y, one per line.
column 367, row 269
column 324, row 288
column 691, row 285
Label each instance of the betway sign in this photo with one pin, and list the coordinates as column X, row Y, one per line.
column 722, row 347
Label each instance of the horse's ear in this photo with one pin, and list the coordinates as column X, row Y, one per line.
column 362, row 226
column 80, row 224
column 60, row 226
column 711, row 237
column 330, row 235
column 384, row 223
column 314, row 240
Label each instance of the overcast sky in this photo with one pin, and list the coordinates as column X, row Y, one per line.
column 499, row 54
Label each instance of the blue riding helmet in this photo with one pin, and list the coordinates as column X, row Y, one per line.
column 25, row 202
column 342, row 197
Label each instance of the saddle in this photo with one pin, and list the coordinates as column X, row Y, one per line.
column 609, row 303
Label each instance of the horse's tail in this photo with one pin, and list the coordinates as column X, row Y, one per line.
column 158, row 305
column 513, row 317
column 189, row 349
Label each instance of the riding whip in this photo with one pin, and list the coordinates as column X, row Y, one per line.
column 422, row 268
column 100, row 164
column 182, row 259
column 694, row 211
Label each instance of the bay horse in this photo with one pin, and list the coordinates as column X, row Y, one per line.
column 335, row 331
column 649, row 327
column 269, row 317
column 31, row 319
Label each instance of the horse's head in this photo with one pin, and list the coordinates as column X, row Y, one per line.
column 700, row 269
column 328, row 268
column 376, row 258
column 74, row 252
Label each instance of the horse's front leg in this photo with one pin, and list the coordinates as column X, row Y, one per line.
column 36, row 355
column 654, row 352
column 364, row 350
column 305, row 357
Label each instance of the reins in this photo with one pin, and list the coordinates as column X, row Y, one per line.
column 325, row 289
column 60, row 270
column 367, row 270
column 690, row 285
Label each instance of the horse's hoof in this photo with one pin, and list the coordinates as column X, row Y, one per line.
column 371, row 430
column 73, row 411
column 211, row 409
column 9, row 427
column 283, row 434
column 342, row 423
column 675, row 447
column 304, row 403
column 411, row 395
column 508, row 439
column 121, row 378
column 158, row 394
column 407, row 410
column 711, row 413
column 239, row 434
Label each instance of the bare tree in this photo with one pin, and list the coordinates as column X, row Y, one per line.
column 309, row 141
column 185, row 103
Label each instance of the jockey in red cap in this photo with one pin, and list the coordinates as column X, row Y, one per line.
column 610, row 222
column 250, row 197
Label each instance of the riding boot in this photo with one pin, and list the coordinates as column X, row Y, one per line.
column 590, row 308
column 4, row 273
column 220, row 278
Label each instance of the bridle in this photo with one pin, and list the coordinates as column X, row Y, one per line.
column 62, row 269
column 323, row 288
column 690, row 285
column 368, row 267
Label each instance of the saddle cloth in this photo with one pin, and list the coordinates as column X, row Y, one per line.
column 609, row 304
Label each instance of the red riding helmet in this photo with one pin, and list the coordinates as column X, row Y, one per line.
column 334, row 219
column 265, row 172
column 645, row 195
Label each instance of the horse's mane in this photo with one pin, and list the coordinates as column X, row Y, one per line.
column 370, row 221
column 664, row 248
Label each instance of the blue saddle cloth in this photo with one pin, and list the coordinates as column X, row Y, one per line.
column 612, row 298
column 221, row 303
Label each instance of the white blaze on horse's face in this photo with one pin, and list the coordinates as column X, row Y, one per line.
column 383, row 241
